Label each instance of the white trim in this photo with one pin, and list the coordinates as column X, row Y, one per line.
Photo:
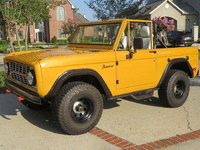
column 171, row 4
column 73, row 7
column 60, row 13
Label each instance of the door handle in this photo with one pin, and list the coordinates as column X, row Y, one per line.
column 152, row 52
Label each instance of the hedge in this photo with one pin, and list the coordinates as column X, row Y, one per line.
column 3, row 42
column 62, row 42
column 2, row 78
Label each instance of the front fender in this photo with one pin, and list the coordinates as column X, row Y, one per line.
column 77, row 72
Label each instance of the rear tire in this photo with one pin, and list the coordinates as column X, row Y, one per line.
column 77, row 107
column 174, row 90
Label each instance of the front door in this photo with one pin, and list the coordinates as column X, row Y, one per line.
column 137, row 72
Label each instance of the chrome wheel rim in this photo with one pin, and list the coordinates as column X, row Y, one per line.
column 82, row 110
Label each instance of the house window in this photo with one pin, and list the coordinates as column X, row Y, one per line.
column 20, row 34
column 187, row 24
column 60, row 13
column 60, row 34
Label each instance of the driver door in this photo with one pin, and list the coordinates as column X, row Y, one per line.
column 137, row 71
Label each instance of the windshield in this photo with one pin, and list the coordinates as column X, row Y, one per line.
column 103, row 34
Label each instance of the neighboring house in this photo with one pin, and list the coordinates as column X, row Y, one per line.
column 79, row 18
column 45, row 31
column 186, row 13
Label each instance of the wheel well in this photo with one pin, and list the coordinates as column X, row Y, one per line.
column 87, row 79
column 182, row 66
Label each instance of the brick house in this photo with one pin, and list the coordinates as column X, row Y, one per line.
column 45, row 31
column 186, row 13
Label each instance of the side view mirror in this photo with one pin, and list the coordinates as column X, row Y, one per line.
column 138, row 43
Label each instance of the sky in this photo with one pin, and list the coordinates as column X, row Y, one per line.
column 84, row 9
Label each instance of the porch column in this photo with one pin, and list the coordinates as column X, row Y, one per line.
column 195, row 32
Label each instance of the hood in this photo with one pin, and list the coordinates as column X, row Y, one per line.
column 32, row 57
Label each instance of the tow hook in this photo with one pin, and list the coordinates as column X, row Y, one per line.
column 20, row 98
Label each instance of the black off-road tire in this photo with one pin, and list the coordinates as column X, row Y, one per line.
column 34, row 106
column 77, row 107
column 174, row 90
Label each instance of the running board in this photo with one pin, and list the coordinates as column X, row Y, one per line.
column 143, row 94
column 139, row 95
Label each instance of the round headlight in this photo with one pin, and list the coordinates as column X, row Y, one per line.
column 6, row 68
column 31, row 78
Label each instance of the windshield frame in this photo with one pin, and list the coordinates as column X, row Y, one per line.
column 96, row 24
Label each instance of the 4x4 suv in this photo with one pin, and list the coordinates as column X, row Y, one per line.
column 109, row 59
column 177, row 38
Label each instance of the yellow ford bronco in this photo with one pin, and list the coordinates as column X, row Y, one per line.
column 104, row 60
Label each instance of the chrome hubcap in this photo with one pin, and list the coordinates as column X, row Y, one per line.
column 80, row 108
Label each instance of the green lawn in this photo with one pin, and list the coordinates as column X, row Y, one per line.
column 199, row 55
column 29, row 48
column 2, row 78
column 3, row 48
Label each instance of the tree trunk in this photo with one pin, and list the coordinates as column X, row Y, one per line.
column 26, row 38
column 11, row 43
column 16, row 31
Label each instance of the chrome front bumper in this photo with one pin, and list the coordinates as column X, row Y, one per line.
column 23, row 92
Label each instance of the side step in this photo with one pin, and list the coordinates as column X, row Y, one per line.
column 143, row 94
column 139, row 95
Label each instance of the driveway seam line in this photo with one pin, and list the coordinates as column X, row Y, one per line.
column 162, row 143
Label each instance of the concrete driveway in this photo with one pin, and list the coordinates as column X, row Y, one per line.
column 127, row 120
column 125, row 123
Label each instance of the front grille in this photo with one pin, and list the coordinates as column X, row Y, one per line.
column 18, row 71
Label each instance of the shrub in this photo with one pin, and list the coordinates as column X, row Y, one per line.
column 62, row 42
column 55, row 40
column 3, row 42
column 15, row 43
column 3, row 48
column 198, row 41
column 69, row 27
column 8, row 41
column 21, row 43
column 2, row 78
column 164, row 24
column 50, row 44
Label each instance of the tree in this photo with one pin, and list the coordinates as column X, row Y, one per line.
column 37, row 10
column 108, row 9
column 17, row 8
column 24, row 13
column 8, row 14
column 130, row 12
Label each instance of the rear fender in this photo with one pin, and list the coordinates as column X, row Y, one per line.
column 178, row 64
